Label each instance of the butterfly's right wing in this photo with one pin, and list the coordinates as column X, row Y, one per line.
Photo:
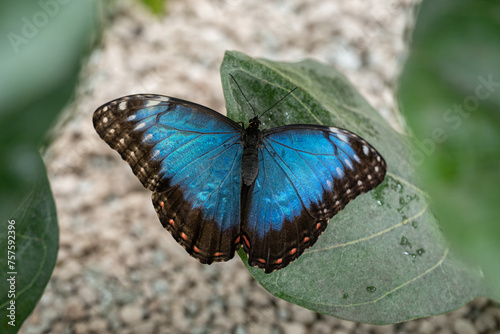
column 190, row 157
column 307, row 174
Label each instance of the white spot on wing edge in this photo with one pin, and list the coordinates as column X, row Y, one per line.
column 147, row 137
column 105, row 120
column 123, row 105
column 342, row 137
column 140, row 126
column 152, row 103
column 340, row 172
column 365, row 149
column 131, row 117
column 156, row 153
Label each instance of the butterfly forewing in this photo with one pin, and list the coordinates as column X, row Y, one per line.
column 190, row 157
column 307, row 174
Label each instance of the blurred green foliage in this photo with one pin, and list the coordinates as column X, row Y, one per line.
column 450, row 95
column 40, row 57
column 31, row 236
column 156, row 6
column 42, row 47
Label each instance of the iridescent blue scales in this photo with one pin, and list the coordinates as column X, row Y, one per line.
column 218, row 185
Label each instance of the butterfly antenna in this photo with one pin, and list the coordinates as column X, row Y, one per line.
column 243, row 94
column 274, row 105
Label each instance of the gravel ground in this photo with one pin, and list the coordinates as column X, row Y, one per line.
column 118, row 271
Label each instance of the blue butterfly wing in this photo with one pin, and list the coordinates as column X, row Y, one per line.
column 190, row 157
column 307, row 174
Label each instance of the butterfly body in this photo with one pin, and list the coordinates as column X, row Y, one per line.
column 252, row 140
column 218, row 185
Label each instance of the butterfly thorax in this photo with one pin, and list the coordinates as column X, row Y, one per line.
column 252, row 140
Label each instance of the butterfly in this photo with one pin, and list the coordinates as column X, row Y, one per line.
column 219, row 185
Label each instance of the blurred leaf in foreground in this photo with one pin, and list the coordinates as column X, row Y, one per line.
column 29, row 239
column 42, row 46
column 450, row 94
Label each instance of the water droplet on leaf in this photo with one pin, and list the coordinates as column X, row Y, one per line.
column 405, row 242
column 371, row 289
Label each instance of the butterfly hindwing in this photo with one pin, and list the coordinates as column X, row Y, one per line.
column 190, row 157
column 307, row 174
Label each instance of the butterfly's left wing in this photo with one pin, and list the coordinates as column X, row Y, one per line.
column 307, row 174
column 190, row 157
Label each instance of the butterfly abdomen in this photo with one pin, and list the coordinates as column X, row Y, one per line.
column 252, row 140
column 249, row 165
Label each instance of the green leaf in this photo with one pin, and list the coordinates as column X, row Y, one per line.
column 450, row 93
column 30, row 237
column 383, row 258
column 40, row 56
column 156, row 6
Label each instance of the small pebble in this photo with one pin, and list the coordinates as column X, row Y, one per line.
column 303, row 315
column 293, row 328
column 74, row 309
column 88, row 294
column 240, row 329
column 147, row 327
column 131, row 314
column 485, row 322
column 98, row 325
column 81, row 328
column 321, row 328
column 464, row 326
